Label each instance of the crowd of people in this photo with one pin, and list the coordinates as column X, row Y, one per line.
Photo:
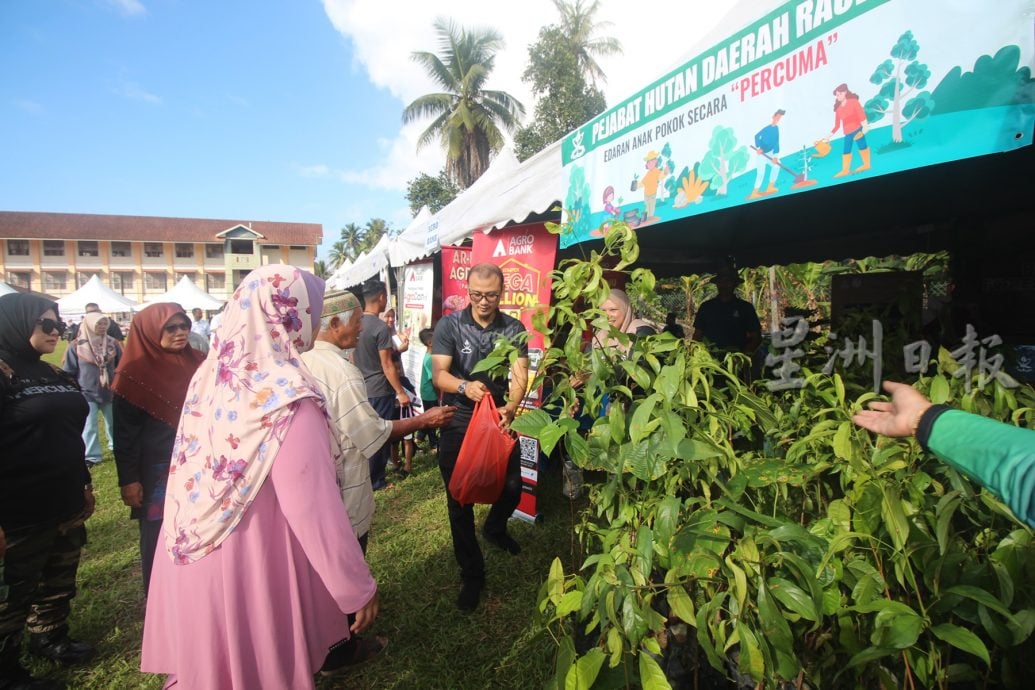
column 251, row 471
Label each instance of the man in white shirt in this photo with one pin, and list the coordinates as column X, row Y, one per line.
column 357, row 433
column 200, row 325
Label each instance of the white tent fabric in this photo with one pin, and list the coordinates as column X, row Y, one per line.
column 95, row 291
column 458, row 221
column 412, row 243
column 6, row 289
column 365, row 266
column 187, row 295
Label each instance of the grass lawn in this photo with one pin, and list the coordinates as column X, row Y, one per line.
column 431, row 644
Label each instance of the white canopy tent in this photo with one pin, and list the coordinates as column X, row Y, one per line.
column 412, row 243
column 365, row 266
column 6, row 289
column 97, row 292
column 187, row 295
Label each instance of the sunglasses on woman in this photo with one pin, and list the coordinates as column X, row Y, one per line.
column 51, row 325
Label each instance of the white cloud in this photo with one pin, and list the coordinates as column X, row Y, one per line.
column 129, row 8
column 384, row 33
column 132, row 91
column 312, row 171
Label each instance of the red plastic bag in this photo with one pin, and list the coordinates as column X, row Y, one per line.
column 481, row 466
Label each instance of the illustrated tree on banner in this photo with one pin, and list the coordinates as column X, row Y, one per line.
column 724, row 160
column 899, row 77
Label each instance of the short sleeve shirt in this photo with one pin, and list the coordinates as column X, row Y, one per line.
column 726, row 324
column 374, row 337
column 461, row 337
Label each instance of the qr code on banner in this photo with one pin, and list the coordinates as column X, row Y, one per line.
column 529, row 450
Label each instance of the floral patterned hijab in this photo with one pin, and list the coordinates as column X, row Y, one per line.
column 239, row 407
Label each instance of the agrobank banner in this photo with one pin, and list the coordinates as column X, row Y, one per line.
column 816, row 93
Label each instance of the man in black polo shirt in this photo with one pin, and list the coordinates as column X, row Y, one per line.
column 461, row 340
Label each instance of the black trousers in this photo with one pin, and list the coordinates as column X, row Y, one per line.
column 40, row 572
column 150, row 533
column 461, row 518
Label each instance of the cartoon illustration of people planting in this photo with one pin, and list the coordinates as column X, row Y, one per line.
column 850, row 117
column 767, row 147
column 649, row 185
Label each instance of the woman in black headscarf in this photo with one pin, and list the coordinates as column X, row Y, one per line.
column 45, row 492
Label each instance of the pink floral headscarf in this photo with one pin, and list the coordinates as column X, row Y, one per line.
column 239, row 407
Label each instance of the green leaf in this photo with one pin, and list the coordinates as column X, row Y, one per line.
column 774, row 625
column 843, row 441
column 616, row 417
column 681, row 604
column 666, row 519
column 751, row 660
column 946, row 509
column 642, row 423
column 869, row 654
column 651, row 675
column 939, row 391
column 584, row 673
column 982, row 597
column 614, row 645
column 894, row 517
column 794, row 598
column 531, row 422
column 961, row 638
column 570, row 602
column 555, row 582
column 548, row 437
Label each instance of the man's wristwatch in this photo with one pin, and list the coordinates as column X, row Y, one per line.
column 461, row 388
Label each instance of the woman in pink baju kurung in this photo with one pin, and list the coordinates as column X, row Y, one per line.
column 252, row 588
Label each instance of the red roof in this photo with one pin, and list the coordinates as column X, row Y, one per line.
column 83, row 226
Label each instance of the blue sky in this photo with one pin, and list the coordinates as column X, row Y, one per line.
column 283, row 110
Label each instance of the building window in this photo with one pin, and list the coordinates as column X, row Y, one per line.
column 184, row 250
column 189, row 275
column 121, row 249
column 53, row 248
column 213, row 251
column 156, row 281
column 88, row 248
column 215, row 281
column 271, row 247
column 20, row 279
column 241, row 246
column 17, row 247
column 54, row 280
column 153, row 250
column 81, row 278
column 298, row 247
column 120, row 282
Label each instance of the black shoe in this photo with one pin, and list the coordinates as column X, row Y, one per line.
column 503, row 541
column 348, row 654
column 470, row 593
column 58, row 646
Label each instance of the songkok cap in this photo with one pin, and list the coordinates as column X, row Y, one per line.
column 339, row 302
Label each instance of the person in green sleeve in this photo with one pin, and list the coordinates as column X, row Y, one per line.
column 1000, row 457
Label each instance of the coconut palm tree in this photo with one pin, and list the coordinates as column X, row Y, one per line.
column 468, row 117
column 578, row 25
column 320, row 269
column 352, row 236
column 339, row 254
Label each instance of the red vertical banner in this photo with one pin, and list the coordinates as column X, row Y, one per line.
column 526, row 255
column 455, row 263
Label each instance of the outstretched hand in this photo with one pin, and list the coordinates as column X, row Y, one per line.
column 437, row 417
column 897, row 418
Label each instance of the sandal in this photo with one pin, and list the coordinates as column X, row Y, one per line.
column 345, row 656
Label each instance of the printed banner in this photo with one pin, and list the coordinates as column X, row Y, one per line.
column 455, row 262
column 816, row 93
column 415, row 314
column 526, row 255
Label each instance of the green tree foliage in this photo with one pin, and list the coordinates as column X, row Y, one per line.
column 995, row 81
column 900, row 78
column 580, row 31
column 467, row 116
column 564, row 98
column 433, row 192
column 725, row 159
column 320, row 269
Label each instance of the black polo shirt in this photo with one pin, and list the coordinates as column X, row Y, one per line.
column 461, row 337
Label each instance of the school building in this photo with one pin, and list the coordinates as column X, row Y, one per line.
column 142, row 256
